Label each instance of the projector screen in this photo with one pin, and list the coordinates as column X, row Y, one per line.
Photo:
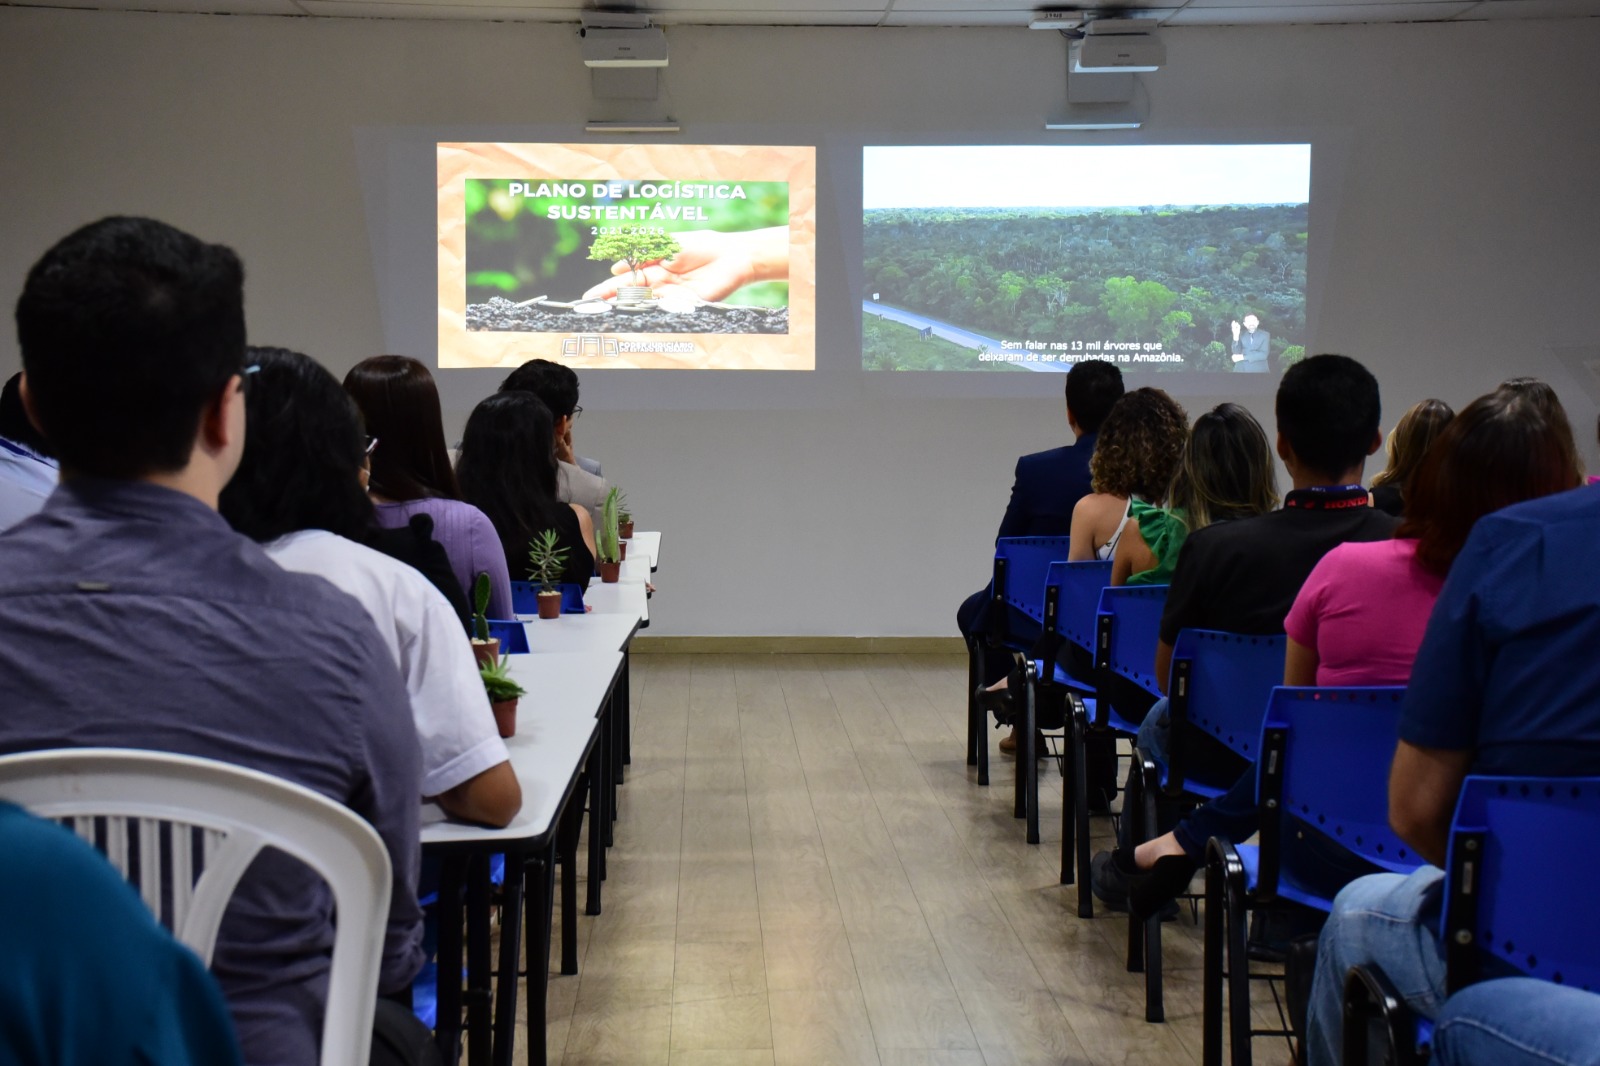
column 1035, row 257
column 609, row 256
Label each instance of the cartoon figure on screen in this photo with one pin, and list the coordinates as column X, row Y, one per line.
column 1250, row 346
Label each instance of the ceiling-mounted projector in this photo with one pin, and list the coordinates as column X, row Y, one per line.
column 1118, row 46
column 622, row 39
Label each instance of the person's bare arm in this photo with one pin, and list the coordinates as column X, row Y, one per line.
column 1424, row 784
column 1133, row 555
column 492, row 798
column 1089, row 521
column 586, row 526
column 1300, row 664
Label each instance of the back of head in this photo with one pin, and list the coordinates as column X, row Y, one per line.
column 1542, row 396
column 15, row 426
column 1139, row 445
column 303, row 453
column 1226, row 470
column 129, row 329
column 556, row 385
column 507, row 468
column 1329, row 412
column 1501, row 449
column 1093, row 387
column 400, row 404
column 1410, row 439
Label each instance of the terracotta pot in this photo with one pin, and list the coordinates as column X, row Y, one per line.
column 610, row 572
column 625, row 530
column 505, row 717
column 549, row 605
column 622, row 551
column 486, row 651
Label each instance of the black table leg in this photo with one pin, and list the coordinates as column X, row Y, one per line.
column 505, row 1007
column 479, row 998
column 570, row 822
column 540, row 903
column 447, row 1027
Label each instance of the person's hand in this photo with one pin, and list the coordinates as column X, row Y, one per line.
column 710, row 265
column 1236, row 329
column 564, row 445
column 1237, row 358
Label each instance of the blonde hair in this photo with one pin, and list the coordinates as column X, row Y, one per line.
column 1226, row 470
column 1409, row 439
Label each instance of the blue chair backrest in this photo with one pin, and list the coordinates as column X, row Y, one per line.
column 1127, row 625
column 1521, row 880
column 1020, row 566
column 1220, row 684
column 525, row 598
column 513, row 636
column 1078, row 588
column 1325, row 755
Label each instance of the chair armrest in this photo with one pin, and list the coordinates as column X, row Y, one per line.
column 1375, row 1016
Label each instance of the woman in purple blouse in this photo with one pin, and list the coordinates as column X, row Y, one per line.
column 411, row 472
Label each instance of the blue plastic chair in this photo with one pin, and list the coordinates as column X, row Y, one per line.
column 525, row 598
column 513, row 636
column 1518, row 901
column 1323, row 770
column 1020, row 566
column 1219, row 685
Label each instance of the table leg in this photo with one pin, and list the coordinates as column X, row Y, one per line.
column 479, row 997
column 505, row 1008
column 540, row 904
column 570, row 821
column 597, row 851
column 608, row 730
column 447, row 1027
column 627, row 707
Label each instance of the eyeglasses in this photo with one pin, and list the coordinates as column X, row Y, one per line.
column 244, row 376
column 372, row 442
column 577, row 411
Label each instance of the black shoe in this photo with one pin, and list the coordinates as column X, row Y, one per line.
column 997, row 702
column 1108, row 882
column 1121, row 886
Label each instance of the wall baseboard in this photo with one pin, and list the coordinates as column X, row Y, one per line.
column 648, row 645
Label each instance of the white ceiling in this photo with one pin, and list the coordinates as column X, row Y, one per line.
column 997, row 13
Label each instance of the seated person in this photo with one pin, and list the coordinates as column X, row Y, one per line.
column 411, row 472
column 1134, row 458
column 1518, row 1021
column 1047, row 485
column 299, row 493
column 507, row 470
column 1408, row 443
column 1360, row 616
column 1504, row 683
column 87, row 975
column 182, row 635
column 28, row 469
column 577, row 480
column 1242, row 576
column 1225, row 472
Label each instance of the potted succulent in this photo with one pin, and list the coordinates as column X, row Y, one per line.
column 503, row 692
column 546, row 560
column 608, row 556
column 624, row 518
column 484, row 647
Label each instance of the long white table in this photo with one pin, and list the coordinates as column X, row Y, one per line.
column 647, row 544
column 622, row 597
column 595, row 631
column 560, row 730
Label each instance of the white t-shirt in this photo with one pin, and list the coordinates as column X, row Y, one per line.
column 455, row 725
column 26, row 481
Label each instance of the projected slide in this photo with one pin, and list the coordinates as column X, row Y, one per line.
column 1034, row 257
column 613, row 256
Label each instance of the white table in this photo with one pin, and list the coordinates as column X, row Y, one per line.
column 622, row 597
column 594, row 631
column 648, row 545
column 559, row 731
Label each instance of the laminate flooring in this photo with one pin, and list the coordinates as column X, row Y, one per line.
column 806, row 873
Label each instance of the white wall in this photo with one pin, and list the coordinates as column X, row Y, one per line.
column 1464, row 237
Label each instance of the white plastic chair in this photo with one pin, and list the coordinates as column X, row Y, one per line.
column 239, row 811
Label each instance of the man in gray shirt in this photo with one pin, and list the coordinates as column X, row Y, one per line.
column 131, row 615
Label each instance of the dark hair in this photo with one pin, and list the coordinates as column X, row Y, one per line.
column 1329, row 412
column 507, row 469
column 1093, row 387
column 15, row 426
column 1226, row 469
column 556, row 386
column 1545, row 399
column 1139, row 446
column 400, row 404
column 1501, row 449
column 303, row 452
column 1410, row 438
column 129, row 329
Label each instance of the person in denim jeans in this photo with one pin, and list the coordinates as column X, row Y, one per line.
column 1518, row 1021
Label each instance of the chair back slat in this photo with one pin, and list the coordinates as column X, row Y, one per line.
column 513, row 636
column 1520, row 887
column 1024, row 562
column 1128, row 622
column 1326, row 761
column 1220, row 684
column 1079, row 585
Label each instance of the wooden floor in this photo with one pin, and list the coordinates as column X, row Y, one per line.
column 806, row 872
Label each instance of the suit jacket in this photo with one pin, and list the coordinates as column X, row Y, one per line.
column 576, row 485
column 591, row 465
column 1047, row 486
column 1253, row 346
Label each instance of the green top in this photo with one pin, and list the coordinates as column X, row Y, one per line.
column 1163, row 532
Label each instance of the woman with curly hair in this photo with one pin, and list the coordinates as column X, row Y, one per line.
column 1135, row 456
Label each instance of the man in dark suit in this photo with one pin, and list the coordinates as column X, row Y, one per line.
column 1250, row 347
column 1049, row 484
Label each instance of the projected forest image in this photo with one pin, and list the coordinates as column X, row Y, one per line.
column 1157, row 287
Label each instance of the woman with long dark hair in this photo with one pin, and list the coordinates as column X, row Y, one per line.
column 411, row 471
column 299, row 492
column 507, row 469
